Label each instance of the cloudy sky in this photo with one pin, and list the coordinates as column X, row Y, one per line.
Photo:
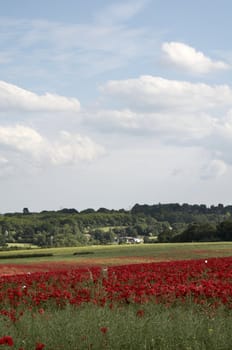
column 110, row 103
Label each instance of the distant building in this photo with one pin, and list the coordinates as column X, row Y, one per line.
column 130, row 240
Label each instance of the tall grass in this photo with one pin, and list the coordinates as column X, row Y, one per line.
column 132, row 327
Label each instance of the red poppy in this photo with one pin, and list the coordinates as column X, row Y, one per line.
column 104, row 330
column 39, row 346
column 7, row 340
column 140, row 313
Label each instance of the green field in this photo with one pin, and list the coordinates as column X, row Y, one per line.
column 119, row 253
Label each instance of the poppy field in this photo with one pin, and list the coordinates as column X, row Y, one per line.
column 183, row 304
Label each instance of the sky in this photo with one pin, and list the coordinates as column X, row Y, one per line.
column 111, row 103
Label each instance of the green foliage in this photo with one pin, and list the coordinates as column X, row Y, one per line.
column 224, row 230
column 197, row 233
column 103, row 237
column 187, row 213
column 68, row 227
column 25, row 256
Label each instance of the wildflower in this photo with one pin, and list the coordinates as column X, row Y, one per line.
column 210, row 330
column 104, row 330
column 140, row 313
column 206, row 261
column 6, row 340
column 39, row 346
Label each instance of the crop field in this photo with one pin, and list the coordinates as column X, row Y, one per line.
column 109, row 255
column 119, row 297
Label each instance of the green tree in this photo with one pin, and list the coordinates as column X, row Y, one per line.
column 224, row 230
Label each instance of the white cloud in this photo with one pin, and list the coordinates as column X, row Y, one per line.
column 166, row 125
column 186, row 57
column 156, row 93
column 72, row 148
column 30, row 144
column 13, row 98
column 177, row 113
column 111, row 120
column 21, row 138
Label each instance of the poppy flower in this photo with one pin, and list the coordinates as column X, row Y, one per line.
column 39, row 346
column 104, row 330
column 6, row 340
column 140, row 313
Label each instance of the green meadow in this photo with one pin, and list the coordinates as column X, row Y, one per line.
column 96, row 254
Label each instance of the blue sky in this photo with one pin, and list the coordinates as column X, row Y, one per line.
column 108, row 104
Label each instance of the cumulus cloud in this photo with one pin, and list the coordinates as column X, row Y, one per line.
column 112, row 120
column 166, row 125
column 186, row 57
column 66, row 149
column 14, row 98
column 71, row 148
column 177, row 113
column 156, row 93
column 22, row 139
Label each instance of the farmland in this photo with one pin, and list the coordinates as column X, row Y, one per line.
column 119, row 297
column 113, row 254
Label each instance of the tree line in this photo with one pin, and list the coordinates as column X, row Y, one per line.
column 155, row 223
